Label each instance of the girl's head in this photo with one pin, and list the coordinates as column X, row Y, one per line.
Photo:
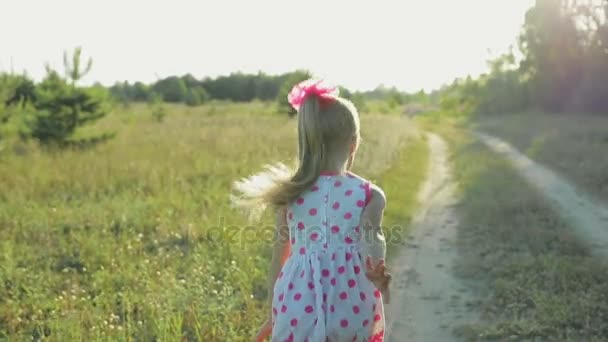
column 328, row 137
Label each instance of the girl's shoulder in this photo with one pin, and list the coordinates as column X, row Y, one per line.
column 377, row 194
column 356, row 177
column 372, row 190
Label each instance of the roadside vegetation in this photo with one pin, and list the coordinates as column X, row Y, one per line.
column 537, row 282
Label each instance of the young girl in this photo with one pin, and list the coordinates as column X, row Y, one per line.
column 327, row 276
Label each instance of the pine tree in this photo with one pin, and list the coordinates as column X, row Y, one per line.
column 61, row 107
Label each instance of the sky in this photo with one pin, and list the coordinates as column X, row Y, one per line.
column 408, row 44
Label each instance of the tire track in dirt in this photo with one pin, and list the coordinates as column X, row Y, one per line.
column 428, row 300
column 588, row 217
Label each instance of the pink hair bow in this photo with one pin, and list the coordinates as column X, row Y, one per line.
column 302, row 90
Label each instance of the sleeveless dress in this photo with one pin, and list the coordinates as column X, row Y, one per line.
column 321, row 293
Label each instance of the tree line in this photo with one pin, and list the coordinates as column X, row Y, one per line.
column 52, row 110
column 563, row 67
column 236, row 87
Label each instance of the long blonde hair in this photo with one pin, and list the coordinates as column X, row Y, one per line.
column 324, row 129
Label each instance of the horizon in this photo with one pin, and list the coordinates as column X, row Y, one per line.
column 399, row 46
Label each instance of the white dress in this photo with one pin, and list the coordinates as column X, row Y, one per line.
column 322, row 293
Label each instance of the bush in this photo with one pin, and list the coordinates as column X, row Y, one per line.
column 158, row 110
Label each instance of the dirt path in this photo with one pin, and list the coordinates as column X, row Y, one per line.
column 588, row 216
column 427, row 299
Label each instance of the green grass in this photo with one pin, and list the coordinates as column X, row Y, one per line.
column 574, row 145
column 135, row 240
column 540, row 283
column 401, row 183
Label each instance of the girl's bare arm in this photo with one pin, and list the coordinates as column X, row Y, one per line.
column 374, row 243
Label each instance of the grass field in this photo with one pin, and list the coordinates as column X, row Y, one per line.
column 574, row 145
column 536, row 281
column 135, row 239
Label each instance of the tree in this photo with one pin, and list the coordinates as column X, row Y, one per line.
column 553, row 53
column 125, row 92
column 22, row 90
column 73, row 69
column 356, row 98
column 564, row 67
column 593, row 18
column 172, row 89
column 140, row 92
column 61, row 107
column 190, row 81
column 291, row 80
column 196, row 96
column 16, row 95
column 267, row 87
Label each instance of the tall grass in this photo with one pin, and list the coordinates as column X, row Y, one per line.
column 401, row 183
column 135, row 239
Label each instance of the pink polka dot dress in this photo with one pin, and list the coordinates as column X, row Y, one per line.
column 322, row 293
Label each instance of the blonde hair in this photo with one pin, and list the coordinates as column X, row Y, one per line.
column 325, row 128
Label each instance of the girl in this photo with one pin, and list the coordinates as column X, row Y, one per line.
column 320, row 286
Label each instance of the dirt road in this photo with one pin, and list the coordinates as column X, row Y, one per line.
column 428, row 300
column 587, row 216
